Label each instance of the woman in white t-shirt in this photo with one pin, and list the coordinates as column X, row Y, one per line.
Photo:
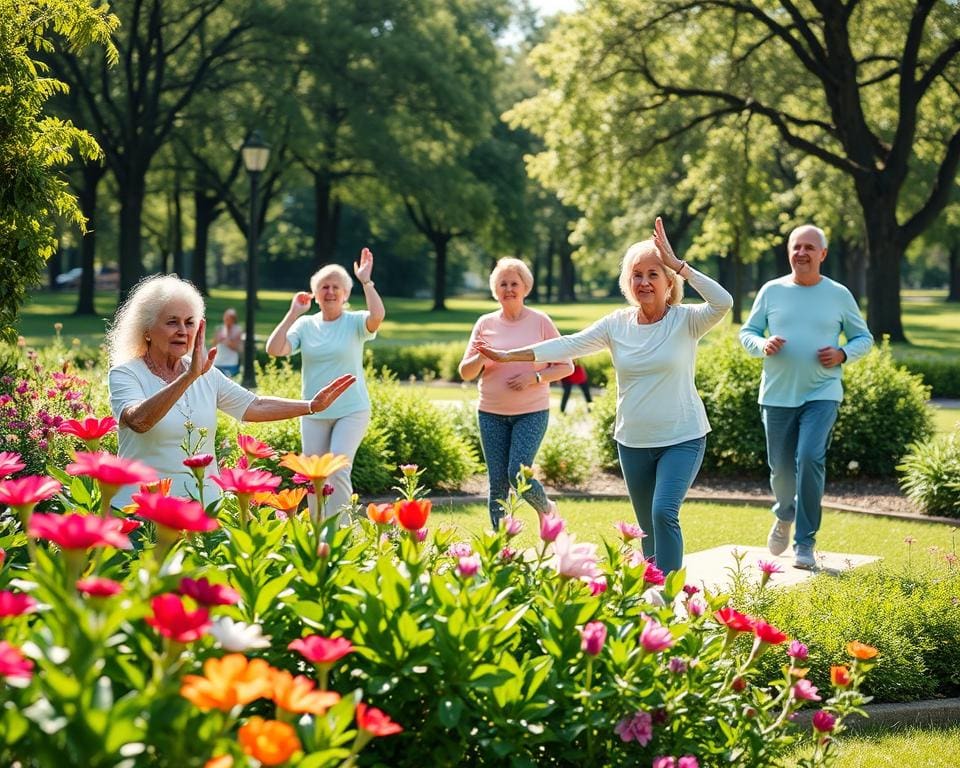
column 330, row 343
column 162, row 377
column 661, row 424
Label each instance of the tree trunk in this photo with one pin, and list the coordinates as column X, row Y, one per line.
column 92, row 173
column 551, row 247
column 884, row 253
column 132, row 194
column 856, row 272
column 566, row 291
column 176, row 244
column 205, row 213
column 440, row 273
column 953, row 260
column 326, row 221
column 535, row 269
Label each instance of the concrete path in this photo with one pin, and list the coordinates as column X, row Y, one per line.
column 713, row 568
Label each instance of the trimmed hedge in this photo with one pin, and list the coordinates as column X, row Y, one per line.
column 942, row 376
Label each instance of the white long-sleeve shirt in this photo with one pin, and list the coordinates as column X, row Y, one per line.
column 657, row 400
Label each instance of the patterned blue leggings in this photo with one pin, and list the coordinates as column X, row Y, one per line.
column 508, row 442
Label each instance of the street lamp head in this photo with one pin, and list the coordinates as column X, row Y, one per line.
column 256, row 153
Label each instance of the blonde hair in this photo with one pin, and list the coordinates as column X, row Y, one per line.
column 510, row 264
column 642, row 250
column 126, row 337
column 331, row 270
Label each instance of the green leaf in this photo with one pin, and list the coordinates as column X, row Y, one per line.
column 449, row 711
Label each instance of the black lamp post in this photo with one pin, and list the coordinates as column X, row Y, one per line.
column 256, row 153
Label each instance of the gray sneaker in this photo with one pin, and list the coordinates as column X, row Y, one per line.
column 803, row 558
column 779, row 538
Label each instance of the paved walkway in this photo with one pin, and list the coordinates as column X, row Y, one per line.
column 714, row 568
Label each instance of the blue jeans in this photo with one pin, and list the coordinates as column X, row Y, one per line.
column 508, row 442
column 797, row 442
column 657, row 480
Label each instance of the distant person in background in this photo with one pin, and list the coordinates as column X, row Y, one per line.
column 803, row 314
column 332, row 340
column 514, row 403
column 227, row 341
column 578, row 377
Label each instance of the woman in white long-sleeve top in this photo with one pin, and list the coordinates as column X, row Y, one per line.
column 661, row 424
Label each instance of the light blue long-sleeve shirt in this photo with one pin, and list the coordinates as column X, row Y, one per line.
column 808, row 317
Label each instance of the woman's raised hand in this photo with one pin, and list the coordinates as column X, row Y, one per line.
column 201, row 360
column 300, row 303
column 364, row 268
column 325, row 397
column 660, row 240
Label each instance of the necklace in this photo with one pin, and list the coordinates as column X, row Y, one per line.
column 182, row 404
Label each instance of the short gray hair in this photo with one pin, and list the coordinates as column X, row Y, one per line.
column 816, row 230
column 126, row 337
column 642, row 250
column 328, row 271
column 510, row 264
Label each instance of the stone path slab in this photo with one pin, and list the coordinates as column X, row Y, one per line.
column 713, row 568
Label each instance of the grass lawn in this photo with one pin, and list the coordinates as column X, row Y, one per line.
column 707, row 525
column 906, row 748
column 945, row 419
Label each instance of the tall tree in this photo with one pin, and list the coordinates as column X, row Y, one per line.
column 34, row 147
column 863, row 86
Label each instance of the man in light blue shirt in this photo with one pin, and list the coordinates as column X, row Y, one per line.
column 795, row 325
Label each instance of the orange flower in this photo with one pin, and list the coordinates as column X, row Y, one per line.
column 228, row 682
column 269, row 741
column 162, row 486
column 861, row 651
column 317, row 468
column 297, row 694
column 381, row 514
column 840, row 676
column 287, row 500
column 221, row 761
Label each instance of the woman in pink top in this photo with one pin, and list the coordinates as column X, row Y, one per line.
column 514, row 397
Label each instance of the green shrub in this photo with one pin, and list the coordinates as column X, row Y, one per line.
column 942, row 376
column 468, row 428
column 421, row 361
column 565, row 457
column 599, row 369
column 604, row 412
column 930, row 475
column 912, row 617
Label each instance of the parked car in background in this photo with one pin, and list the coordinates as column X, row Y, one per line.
column 107, row 278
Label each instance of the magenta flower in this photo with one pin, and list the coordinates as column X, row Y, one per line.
column 551, row 526
column 696, row 606
column 205, row 593
column 198, row 460
column 174, row 513
column 13, row 664
column 24, row 493
column 767, row 568
column 664, row 761
column 690, row 590
column 507, row 554
column 654, row 576
column 246, row 482
column 15, row 604
column 79, row 531
column 575, row 561
column 111, row 471
column 90, row 429
column 805, row 690
column 592, row 637
column 823, row 721
column 328, row 489
column 655, row 637
column 598, row 586
column 468, row 566
column 688, row 761
column 677, row 665
column 511, row 525
column 637, row 727
column 629, row 531
column 171, row 619
column 97, row 586
column 421, row 534
column 254, row 449
column 798, row 651
column 10, row 463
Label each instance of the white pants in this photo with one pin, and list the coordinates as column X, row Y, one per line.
column 338, row 436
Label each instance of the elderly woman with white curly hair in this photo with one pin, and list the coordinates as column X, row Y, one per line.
column 661, row 424
column 162, row 376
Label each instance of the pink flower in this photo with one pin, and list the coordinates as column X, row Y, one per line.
column 767, row 633
column 688, row 761
column 592, row 637
column 254, row 449
column 655, row 638
column 663, row 761
column 90, row 429
column 171, row 619
column 97, row 586
column 733, row 620
column 79, row 531
column 507, row 554
column 805, row 690
column 421, row 534
column 575, row 561
column 629, row 531
column 696, row 606
column 460, row 549
column 15, row 604
column 798, row 651
column 511, row 525
column 246, row 481
column 27, row 492
column 13, row 664
column 677, row 665
column 690, row 590
column 409, row 470
column 598, row 586
column 637, row 727
column 111, row 471
column 823, row 721
column 206, row 593
column 654, row 576
column 174, row 513
column 322, row 650
column 551, row 526
column 198, row 460
column 468, row 566
column 10, row 463
column 328, row 489
column 767, row 569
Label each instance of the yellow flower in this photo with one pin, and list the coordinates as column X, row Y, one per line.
column 316, row 468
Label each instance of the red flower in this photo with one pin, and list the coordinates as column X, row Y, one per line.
column 322, row 650
column 734, row 620
column 198, row 460
column 767, row 633
column 413, row 514
column 823, row 721
column 171, row 619
column 255, row 449
column 206, row 593
column 9, row 463
column 375, row 722
column 97, row 586
column 173, row 512
column 246, row 481
column 90, row 428
column 12, row 663
column 15, row 604
column 79, row 531
column 129, row 525
column 110, row 470
column 840, row 676
column 27, row 491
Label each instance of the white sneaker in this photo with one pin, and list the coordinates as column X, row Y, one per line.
column 779, row 537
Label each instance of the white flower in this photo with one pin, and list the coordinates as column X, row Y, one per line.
column 854, row 465
column 237, row 636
